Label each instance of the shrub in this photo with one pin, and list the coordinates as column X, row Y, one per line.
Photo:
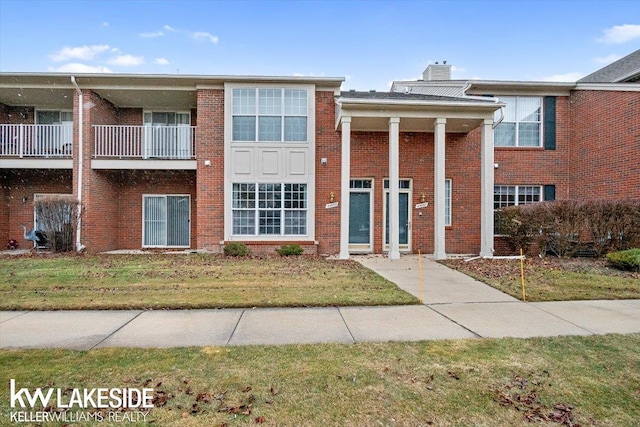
column 569, row 227
column 625, row 260
column 613, row 225
column 238, row 249
column 514, row 224
column 287, row 250
column 58, row 219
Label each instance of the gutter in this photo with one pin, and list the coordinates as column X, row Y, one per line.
column 79, row 246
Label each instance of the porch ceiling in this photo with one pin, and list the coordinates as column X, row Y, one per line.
column 413, row 124
column 58, row 98
column 161, row 97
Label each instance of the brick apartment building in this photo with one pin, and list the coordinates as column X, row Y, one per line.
column 195, row 162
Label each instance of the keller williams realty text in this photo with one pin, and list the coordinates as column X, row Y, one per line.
column 66, row 404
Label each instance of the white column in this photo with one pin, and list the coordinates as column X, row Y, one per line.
column 439, row 190
column 394, row 194
column 486, row 192
column 344, row 187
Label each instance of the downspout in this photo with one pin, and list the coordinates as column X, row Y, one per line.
column 495, row 124
column 79, row 246
column 467, row 86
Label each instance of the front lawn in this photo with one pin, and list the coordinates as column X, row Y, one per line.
column 157, row 281
column 553, row 279
column 561, row 381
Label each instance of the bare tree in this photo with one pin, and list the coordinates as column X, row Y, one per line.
column 58, row 219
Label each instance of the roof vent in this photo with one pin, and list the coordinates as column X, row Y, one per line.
column 437, row 72
column 372, row 90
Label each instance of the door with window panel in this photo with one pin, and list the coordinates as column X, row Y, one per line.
column 54, row 133
column 404, row 214
column 166, row 221
column 167, row 135
column 360, row 215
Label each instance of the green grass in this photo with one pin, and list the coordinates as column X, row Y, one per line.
column 188, row 281
column 486, row 382
column 553, row 279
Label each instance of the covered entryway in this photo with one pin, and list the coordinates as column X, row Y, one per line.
column 374, row 114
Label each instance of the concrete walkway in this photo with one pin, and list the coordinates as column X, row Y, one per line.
column 455, row 306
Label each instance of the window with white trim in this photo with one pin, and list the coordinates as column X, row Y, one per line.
column 514, row 195
column 263, row 209
column 447, row 202
column 522, row 123
column 269, row 115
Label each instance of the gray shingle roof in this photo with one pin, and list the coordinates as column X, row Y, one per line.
column 626, row 69
column 400, row 96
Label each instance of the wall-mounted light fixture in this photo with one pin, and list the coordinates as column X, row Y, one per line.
column 25, row 199
column 323, row 161
column 331, row 197
column 423, row 197
column 207, row 162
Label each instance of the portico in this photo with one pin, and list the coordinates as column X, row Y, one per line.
column 400, row 113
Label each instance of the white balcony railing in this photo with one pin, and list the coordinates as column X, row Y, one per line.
column 24, row 140
column 145, row 142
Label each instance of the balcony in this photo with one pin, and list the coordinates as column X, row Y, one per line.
column 36, row 146
column 144, row 147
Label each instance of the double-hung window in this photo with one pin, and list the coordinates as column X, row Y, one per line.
column 269, row 115
column 514, row 195
column 263, row 209
column 522, row 123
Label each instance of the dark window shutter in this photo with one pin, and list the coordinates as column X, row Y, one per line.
column 549, row 193
column 549, row 122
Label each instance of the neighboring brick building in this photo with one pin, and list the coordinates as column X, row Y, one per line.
column 194, row 162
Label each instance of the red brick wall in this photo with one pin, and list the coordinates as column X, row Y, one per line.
column 328, row 145
column 135, row 184
column 100, row 190
column 210, row 188
column 23, row 184
column 129, row 117
column 605, row 155
column 537, row 166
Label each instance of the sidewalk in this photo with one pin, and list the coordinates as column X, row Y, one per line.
column 455, row 306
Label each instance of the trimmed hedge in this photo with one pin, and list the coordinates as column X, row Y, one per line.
column 625, row 260
column 238, row 249
column 293, row 249
column 571, row 227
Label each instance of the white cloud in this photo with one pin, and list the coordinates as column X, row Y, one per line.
column 566, row 77
column 105, row 24
column 607, row 59
column 621, row 33
column 74, row 67
column 162, row 61
column 203, row 36
column 151, row 35
column 126, row 60
column 79, row 52
column 170, row 28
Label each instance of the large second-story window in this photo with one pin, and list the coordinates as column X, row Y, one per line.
column 270, row 115
column 522, row 123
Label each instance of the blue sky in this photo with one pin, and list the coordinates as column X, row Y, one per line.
column 370, row 43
